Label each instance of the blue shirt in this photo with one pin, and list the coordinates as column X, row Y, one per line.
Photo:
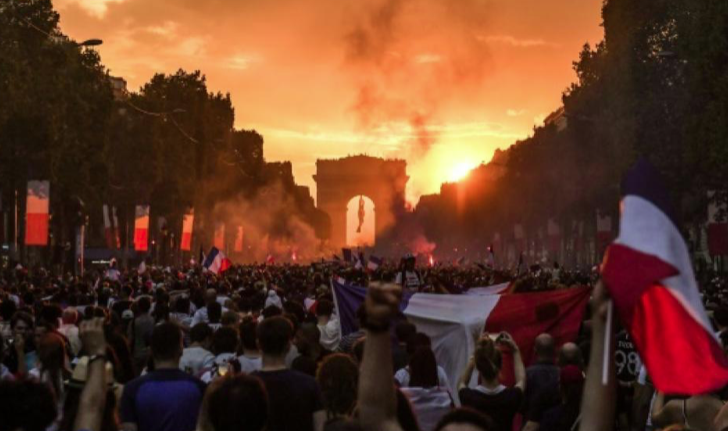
column 163, row 400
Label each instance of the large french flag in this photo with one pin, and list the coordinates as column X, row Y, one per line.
column 141, row 228
column 650, row 278
column 37, row 213
column 452, row 321
column 216, row 262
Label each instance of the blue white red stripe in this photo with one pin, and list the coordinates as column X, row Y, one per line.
column 216, row 262
column 650, row 277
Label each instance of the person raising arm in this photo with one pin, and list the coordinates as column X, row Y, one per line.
column 377, row 397
column 599, row 401
column 93, row 398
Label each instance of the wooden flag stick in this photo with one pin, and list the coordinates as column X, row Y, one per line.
column 606, row 360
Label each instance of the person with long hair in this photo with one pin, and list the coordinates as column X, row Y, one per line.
column 429, row 399
column 491, row 397
column 52, row 367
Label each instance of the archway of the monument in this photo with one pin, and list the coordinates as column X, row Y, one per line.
column 360, row 222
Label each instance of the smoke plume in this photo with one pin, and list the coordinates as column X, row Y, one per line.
column 272, row 225
column 409, row 57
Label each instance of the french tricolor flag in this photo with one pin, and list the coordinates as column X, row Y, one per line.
column 216, row 261
column 37, row 214
column 451, row 321
column 374, row 263
column 187, row 224
column 141, row 228
column 649, row 275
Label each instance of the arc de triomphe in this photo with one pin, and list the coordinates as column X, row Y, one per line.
column 338, row 181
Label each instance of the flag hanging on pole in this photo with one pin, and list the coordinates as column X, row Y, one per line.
column 108, row 228
column 115, row 227
column 37, row 213
column 649, row 275
column 717, row 229
column 141, row 228
column 187, row 222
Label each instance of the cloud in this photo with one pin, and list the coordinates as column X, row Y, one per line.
column 95, row 8
column 242, row 61
column 399, row 133
column 389, row 41
column 428, row 58
column 194, row 46
column 518, row 43
column 515, row 112
column 166, row 29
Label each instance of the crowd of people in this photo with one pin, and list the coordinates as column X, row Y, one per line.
column 260, row 348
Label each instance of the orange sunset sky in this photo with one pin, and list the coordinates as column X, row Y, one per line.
column 442, row 83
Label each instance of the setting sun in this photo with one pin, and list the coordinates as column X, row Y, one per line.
column 460, row 171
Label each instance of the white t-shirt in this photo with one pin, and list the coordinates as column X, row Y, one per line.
column 195, row 359
column 429, row 405
column 249, row 364
column 330, row 334
column 202, row 317
column 403, row 377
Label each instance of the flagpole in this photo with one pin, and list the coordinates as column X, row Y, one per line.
column 607, row 341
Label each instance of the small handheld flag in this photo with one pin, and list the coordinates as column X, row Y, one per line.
column 374, row 263
column 216, row 261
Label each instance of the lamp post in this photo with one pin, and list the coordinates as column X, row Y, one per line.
column 90, row 43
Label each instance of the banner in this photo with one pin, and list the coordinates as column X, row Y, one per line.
column 108, row 228
column 141, row 228
column 717, row 229
column 554, row 236
column 115, row 223
column 185, row 243
column 219, row 240
column 36, row 226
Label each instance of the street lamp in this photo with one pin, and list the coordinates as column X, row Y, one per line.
column 90, row 42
